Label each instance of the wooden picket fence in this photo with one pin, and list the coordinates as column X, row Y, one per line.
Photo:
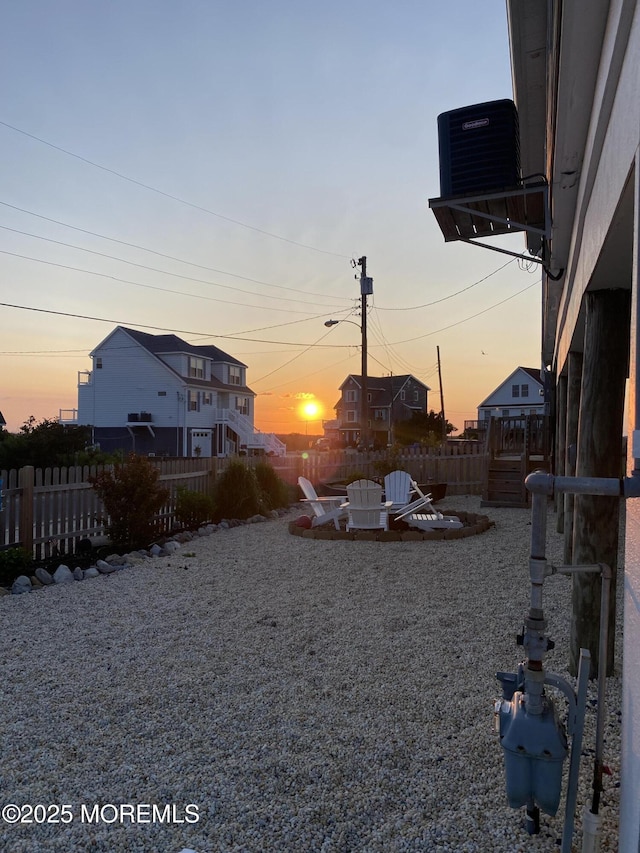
column 48, row 511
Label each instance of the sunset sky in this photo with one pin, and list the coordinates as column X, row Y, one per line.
column 211, row 169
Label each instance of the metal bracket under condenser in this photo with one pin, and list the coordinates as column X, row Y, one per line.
column 469, row 218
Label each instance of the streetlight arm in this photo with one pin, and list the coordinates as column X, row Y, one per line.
column 329, row 323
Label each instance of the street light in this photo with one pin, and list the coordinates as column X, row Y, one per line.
column 364, row 403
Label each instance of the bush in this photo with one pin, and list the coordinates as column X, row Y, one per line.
column 275, row 492
column 236, row 493
column 193, row 508
column 132, row 497
column 14, row 562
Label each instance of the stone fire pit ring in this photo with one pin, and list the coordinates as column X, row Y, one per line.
column 474, row 524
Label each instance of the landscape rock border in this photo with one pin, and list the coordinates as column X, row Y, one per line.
column 474, row 524
column 42, row 578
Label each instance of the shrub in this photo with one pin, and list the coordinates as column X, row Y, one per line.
column 391, row 462
column 193, row 508
column 236, row 493
column 275, row 492
column 131, row 496
column 13, row 562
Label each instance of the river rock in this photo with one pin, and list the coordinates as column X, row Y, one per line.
column 62, row 574
column 21, row 584
column 43, row 576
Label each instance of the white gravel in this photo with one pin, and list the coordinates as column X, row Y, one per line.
column 302, row 695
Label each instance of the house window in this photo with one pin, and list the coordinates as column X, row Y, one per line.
column 368, row 398
column 416, row 396
column 351, row 416
column 380, row 414
column 505, row 413
column 402, row 395
column 207, row 398
column 196, row 368
column 351, row 397
column 242, row 405
column 162, row 393
column 193, row 401
column 98, row 363
column 515, row 390
column 524, row 390
column 235, row 375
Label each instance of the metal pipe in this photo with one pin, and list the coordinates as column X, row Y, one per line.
column 584, row 666
column 539, row 482
column 602, row 684
column 535, row 625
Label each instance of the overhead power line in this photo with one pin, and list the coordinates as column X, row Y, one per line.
column 163, row 328
column 237, row 337
column 169, row 195
column 155, row 252
column 153, row 269
column 451, row 295
column 155, row 287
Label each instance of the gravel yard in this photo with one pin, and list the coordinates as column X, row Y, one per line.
column 279, row 693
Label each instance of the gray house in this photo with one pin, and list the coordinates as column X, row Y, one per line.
column 390, row 399
column 159, row 395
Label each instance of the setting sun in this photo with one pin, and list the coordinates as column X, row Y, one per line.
column 310, row 410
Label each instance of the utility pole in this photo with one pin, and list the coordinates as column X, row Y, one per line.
column 444, row 420
column 366, row 287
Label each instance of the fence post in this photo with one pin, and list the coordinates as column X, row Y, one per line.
column 26, row 484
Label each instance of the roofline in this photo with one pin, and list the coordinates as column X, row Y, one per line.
column 508, row 379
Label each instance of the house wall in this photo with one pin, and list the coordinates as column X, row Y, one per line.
column 612, row 142
column 604, row 250
column 167, row 442
column 353, row 406
column 130, row 380
column 503, row 403
column 413, row 394
column 220, row 369
column 630, row 783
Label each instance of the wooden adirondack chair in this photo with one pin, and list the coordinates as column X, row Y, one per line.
column 325, row 510
column 365, row 506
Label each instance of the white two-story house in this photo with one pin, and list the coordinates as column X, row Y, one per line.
column 159, row 395
column 522, row 393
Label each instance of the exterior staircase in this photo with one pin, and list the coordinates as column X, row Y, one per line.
column 249, row 438
column 515, row 448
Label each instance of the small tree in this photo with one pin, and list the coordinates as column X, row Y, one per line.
column 193, row 508
column 236, row 493
column 275, row 492
column 42, row 444
column 131, row 496
column 422, row 428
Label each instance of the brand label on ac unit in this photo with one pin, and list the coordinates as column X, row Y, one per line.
column 472, row 125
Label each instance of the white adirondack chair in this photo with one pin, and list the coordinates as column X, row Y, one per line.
column 422, row 514
column 365, row 506
column 325, row 510
column 398, row 489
